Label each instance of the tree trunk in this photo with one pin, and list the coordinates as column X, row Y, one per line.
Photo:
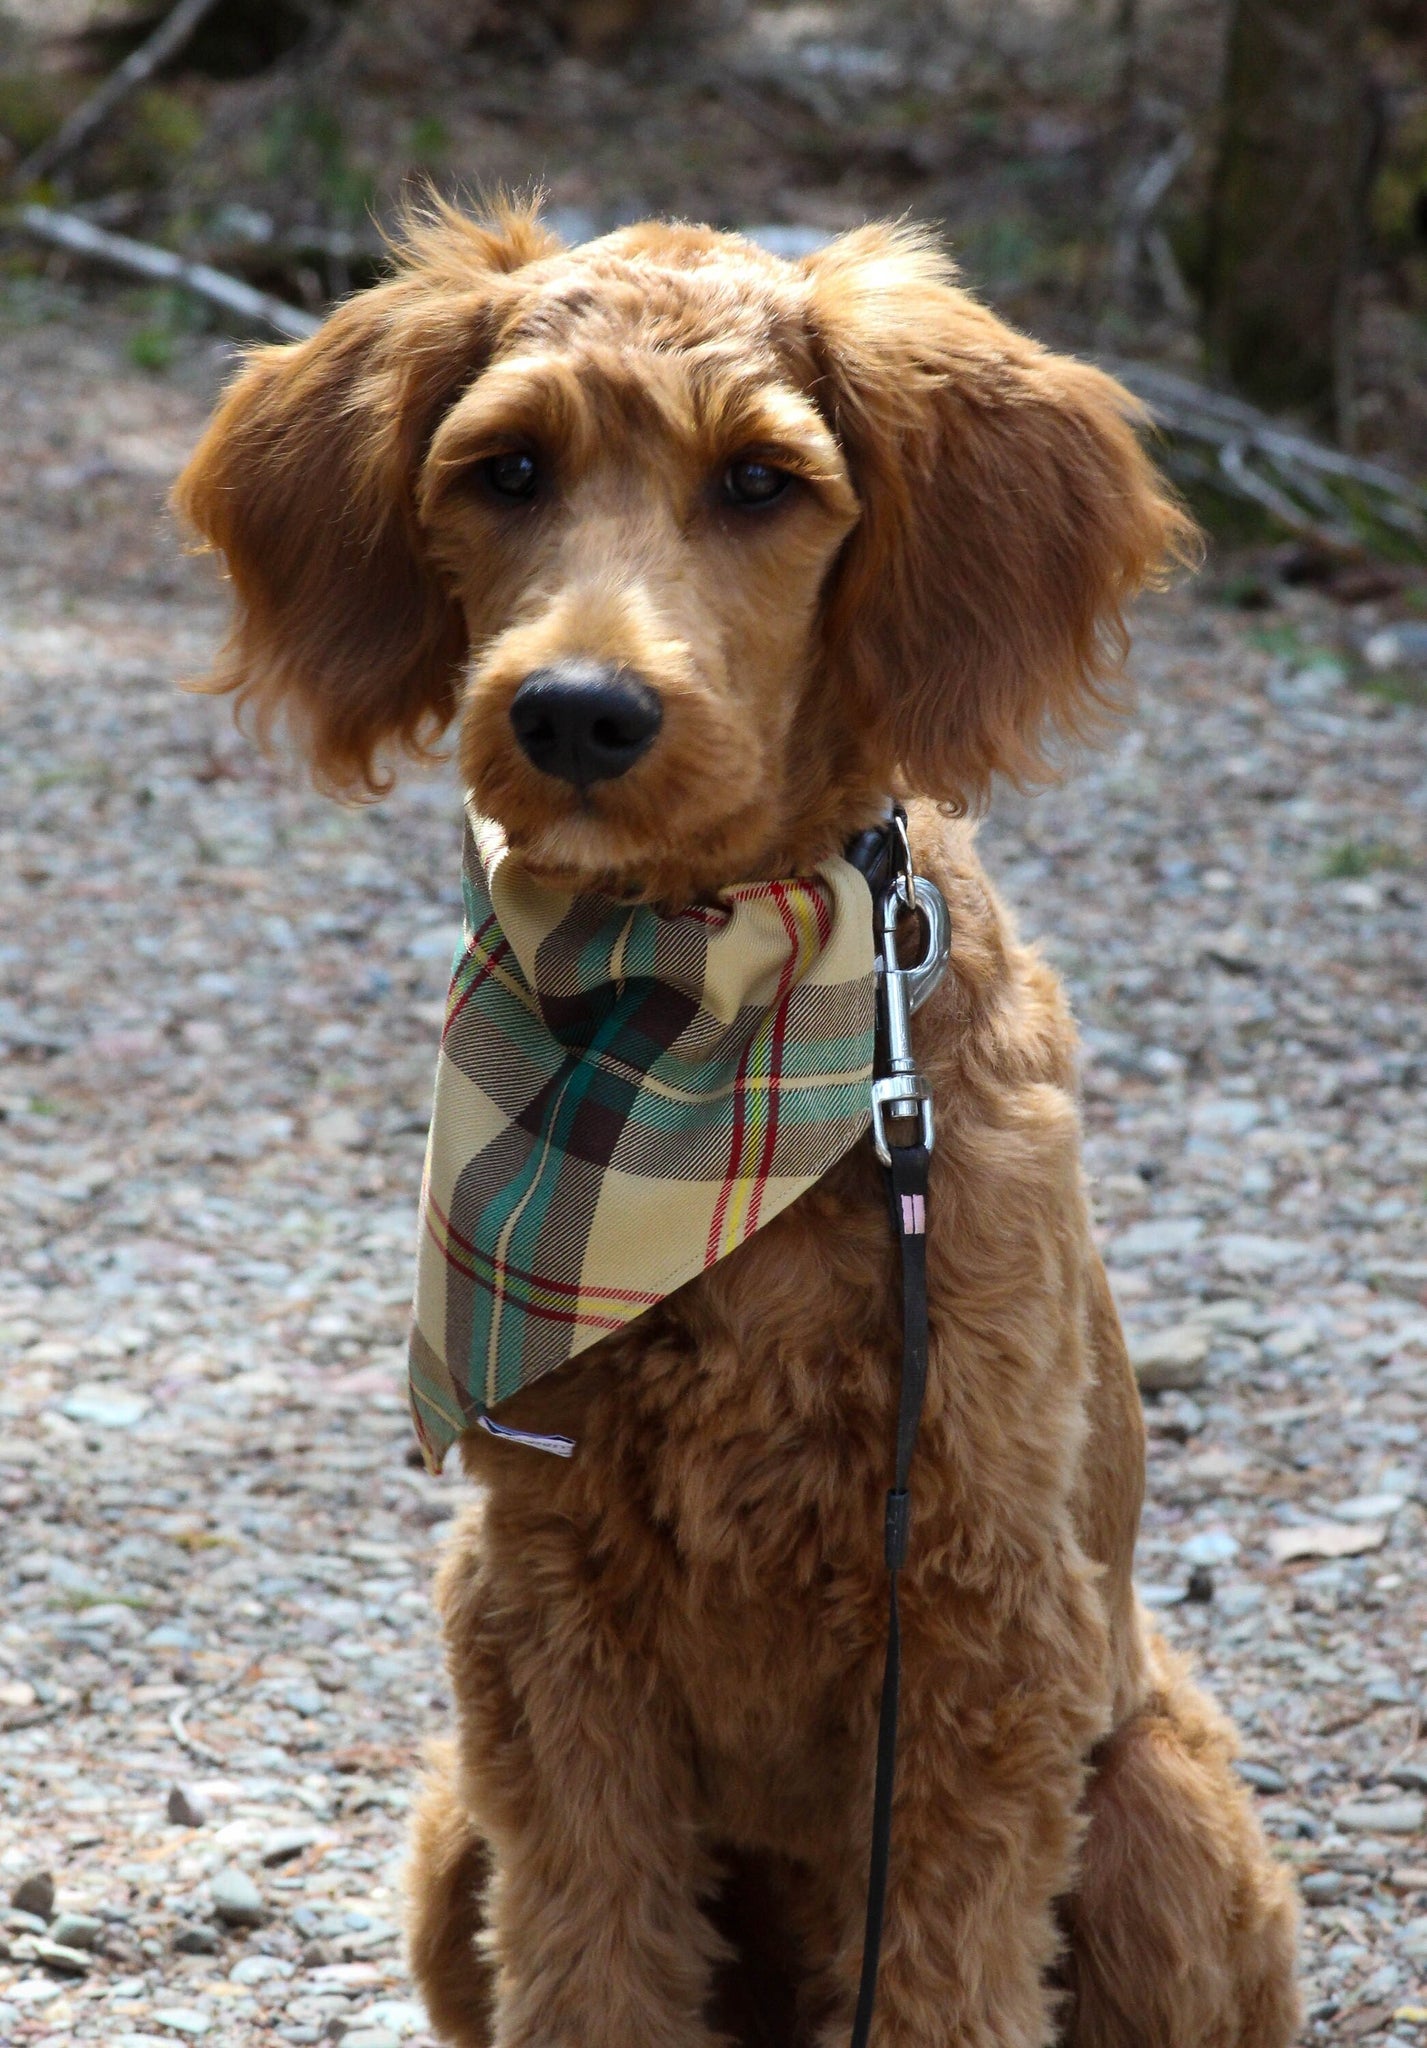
column 1288, row 204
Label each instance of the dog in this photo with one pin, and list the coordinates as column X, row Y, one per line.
column 848, row 535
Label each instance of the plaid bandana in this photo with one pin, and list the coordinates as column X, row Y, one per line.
column 622, row 1099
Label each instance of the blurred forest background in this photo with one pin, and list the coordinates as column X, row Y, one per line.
column 1232, row 189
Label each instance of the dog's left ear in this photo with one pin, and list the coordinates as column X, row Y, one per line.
column 1008, row 514
column 305, row 482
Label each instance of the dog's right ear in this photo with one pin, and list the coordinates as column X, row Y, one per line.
column 304, row 483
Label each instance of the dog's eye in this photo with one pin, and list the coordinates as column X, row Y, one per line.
column 750, row 482
column 512, row 476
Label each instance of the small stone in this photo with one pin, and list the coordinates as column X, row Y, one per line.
column 1157, row 1593
column 70, row 1962
column 1263, row 1777
column 286, row 1843
column 402, row 2016
column 35, row 1894
column 183, row 1809
column 1234, row 1313
column 371, row 2037
column 236, row 1899
column 1408, row 1877
column 1411, row 1777
column 105, row 1407
column 259, row 1970
column 17, row 1922
column 1320, row 1887
column 34, row 1990
column 1225, row 1117
column 1246, row 1252
column 1211, row 1468
column 1200, row 1587
column 1170, row 1360
column 183, row 2019
column 77, row 1930
column 319, row 1955
column 1239, row 1599
column 1403, row 645
column 1412, row 1940
column 1370, row 1507
column 1209, row 1547
column 337, row 1130
column 1325, row 1539
column 197, row 1941
column 1293, row 1341
column 1178, row 1419
column 1407, row 1277
column 170, row 1635
column 1154, row 1239
column 1382, row 1817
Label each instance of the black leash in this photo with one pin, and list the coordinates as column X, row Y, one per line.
column 899, row 1092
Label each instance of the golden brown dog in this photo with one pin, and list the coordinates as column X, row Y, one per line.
column 786, row 537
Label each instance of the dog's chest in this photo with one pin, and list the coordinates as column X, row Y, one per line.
column 758, row 1405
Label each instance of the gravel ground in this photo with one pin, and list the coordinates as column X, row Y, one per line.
column 217, row 1661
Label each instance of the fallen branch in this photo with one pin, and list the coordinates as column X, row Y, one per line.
column 1314, row 491
column 71, row 231
column 194, row 1744
column 1142, row 202
column 139, row 66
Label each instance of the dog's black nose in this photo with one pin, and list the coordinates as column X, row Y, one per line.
column 585, row 721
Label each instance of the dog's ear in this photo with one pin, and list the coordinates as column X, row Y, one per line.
column 304, row 482
column 1008, row 514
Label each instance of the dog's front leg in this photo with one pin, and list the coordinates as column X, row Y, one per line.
column 989, row 1776
column 577, row 1769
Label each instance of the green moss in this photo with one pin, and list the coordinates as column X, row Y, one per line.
column 1285, row 641
column 1351, row 859
column 151, row 140
column 152, row 349
column 305, row 141
column 1397, row 686
column 31, row 108
column 1401, row 183
column 428, row 143
column 168, row 315
column 167, row 123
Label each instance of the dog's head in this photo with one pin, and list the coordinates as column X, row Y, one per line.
column 707, row 550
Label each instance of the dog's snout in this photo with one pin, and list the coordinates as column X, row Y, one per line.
column 585, row 721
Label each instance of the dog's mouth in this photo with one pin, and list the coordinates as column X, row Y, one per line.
column 596, row 844
column 603, row 782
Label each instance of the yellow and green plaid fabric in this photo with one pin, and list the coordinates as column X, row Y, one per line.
column 622, row 1098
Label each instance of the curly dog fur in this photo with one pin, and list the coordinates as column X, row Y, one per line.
column 651, row 1828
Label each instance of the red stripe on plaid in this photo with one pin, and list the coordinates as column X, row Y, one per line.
column 740, row 1092
column 775, row 1063
column 502, row 1269
column 498, row 953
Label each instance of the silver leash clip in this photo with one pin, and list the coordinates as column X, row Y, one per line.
column 904, row 1091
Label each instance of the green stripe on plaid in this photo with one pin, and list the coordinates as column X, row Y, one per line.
column 622, row 1098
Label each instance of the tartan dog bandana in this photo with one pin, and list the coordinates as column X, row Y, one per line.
column 622, row 1098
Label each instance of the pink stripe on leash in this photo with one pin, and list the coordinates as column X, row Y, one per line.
column 914, row 1216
